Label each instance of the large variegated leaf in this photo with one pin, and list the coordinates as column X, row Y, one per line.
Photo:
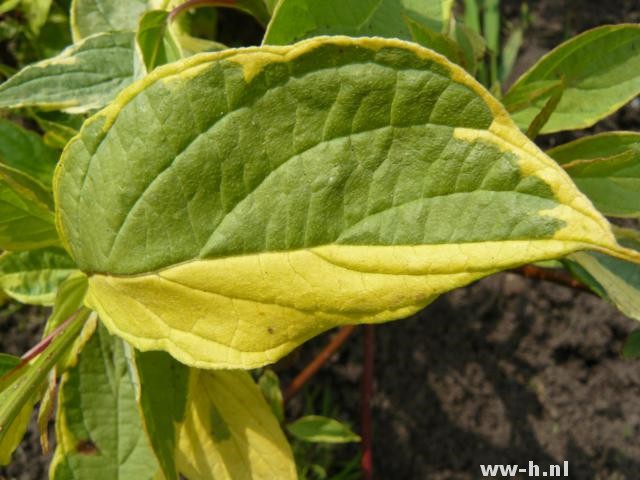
column 34, row 276
column 89, row 17
column 229, row 432
column 99, row 432
column 85, row 76
column 232, row 205
column 606, row 167
column 295, row 20
column 600, row 70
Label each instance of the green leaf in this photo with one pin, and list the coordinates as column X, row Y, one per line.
column 317, row 429
column 89, row 17
column 510, row 52
column 491, row 31
column 36, row 12
column 271, row 5
column 19, row 388
column 229, row 432
column 472, row 15
column 267, row 194
column 436, row 41
column 99, row 431
column 34, row 276
column 69, row 298
column 295, row 20
column 544, row 115
column 270, row 386
column 155, row 40
column 9, row 5
column 16, row 429
column 162, row 398
column 618, row 279
column 600, row 69
column 8, row 362
column 26, row 212
column 85, row 76
column 46, row 409
column 606, row 167
column 25, row 151
column 58, row 127
column 631, row 347
column 472, row 45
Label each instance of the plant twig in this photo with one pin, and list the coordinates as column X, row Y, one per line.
column 366, row 426
column 44, row 343
column 551, row 275
column 190, row 4
column 310, row 370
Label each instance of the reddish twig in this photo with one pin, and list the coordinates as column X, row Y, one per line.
column 365, row 404
column 310, row 370
column 551, row 275
column 191, row 4
column 44, row 343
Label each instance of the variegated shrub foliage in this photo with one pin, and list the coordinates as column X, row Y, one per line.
column 219, row 206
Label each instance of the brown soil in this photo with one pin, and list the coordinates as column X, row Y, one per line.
column 506, row 371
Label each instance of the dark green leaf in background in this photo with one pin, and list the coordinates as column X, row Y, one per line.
column 85, row 76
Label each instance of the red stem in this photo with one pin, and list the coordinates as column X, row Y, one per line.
column 44, row 343
column 310, row 370
column 551, row 275
column 188, row 5
column 367, row 392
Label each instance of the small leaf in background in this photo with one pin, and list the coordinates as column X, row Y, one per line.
column 269, row 383
column 510, row 51
column 155, row 40
column 8, row 362
column 58, row 127
column 314, row 428
column 472, row 45
column 229, row 432
column 26, row 212
column 99, row 432
column 606, row 167
column 85, row 76
column 491, row 31
column 163, row 384
column 15, row 430
column 18, row 391
column 542, row 118
column 89, row 17
column 25, row 151
column 295, row 20
column 436, row 41
column 472, row 15
column 594, row 88
column 46, row 409
column 271, row 5
column 69, row 298
column 619, row 279
column 631, row 347
column 36, row 12
column 33, row 276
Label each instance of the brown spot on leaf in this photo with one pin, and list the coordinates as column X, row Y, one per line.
column 270, row 330
column 86, row 447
